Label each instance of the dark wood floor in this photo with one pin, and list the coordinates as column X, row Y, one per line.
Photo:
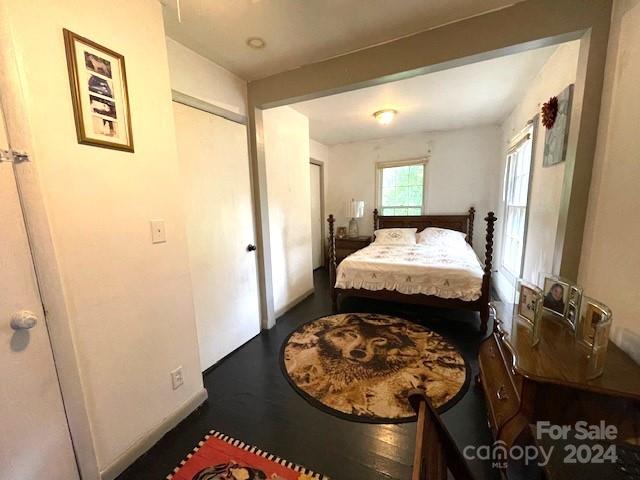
column 249, row 399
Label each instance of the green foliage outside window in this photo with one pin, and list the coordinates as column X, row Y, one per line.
column 402, row 190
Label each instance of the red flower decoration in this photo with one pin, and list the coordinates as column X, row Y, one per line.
column 550, row 112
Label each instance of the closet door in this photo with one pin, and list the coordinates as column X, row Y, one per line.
column 214, row 160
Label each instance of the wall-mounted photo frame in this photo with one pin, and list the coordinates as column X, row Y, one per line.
column 98, row 81
column 556, row 137
column 556, row 295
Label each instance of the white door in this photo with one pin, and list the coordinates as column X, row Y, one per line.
column 316, row 214
column 214, row 159
column 34, row 436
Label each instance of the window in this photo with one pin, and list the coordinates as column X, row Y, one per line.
column 516, row 191
column 401, row 187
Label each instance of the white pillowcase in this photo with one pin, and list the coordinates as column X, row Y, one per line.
column 395, row 236
column 433, row 235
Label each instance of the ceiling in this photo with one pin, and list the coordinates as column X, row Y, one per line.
column 481, row 93
column 299, row 32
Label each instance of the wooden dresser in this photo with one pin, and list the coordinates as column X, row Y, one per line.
column 524, row 384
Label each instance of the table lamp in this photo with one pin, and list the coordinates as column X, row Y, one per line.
column 355, row 210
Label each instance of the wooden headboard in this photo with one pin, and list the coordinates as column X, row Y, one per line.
column 460, row 223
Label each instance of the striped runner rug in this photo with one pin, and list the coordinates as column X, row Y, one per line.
column 220, row 457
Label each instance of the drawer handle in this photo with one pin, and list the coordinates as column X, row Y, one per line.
column 500, row 395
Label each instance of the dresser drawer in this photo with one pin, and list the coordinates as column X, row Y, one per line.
column 503, row 400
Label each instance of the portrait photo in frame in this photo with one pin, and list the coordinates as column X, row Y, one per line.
column 98, row 82
column 556, row 295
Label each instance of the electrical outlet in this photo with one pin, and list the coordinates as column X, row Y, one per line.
column 177, row 378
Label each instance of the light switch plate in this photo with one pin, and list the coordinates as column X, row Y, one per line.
column 158, row 234
column 177, row 378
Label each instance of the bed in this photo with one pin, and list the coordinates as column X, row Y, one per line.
column 444, row 272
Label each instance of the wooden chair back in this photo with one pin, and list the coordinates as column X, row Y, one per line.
column 435, row 450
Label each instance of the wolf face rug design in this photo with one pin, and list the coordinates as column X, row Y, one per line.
column 362, row 366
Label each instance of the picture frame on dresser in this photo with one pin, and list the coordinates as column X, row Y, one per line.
column 573, row 306
column 528, row 307
column 593, row 324
column 556, row 294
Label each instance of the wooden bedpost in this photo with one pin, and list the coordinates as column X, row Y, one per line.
column 486, row 278
column 472, row 217
column 332, row 264
column 375, row 219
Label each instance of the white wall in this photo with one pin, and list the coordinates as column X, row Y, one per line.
column 318, row 151
column 610, row 263
column 286, row 143
column 129, row 302
column 461, row 172
column 546, row 185
column 199, row 77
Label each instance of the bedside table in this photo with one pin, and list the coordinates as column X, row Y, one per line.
column 346, row 246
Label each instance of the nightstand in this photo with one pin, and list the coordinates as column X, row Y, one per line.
column 346, row 246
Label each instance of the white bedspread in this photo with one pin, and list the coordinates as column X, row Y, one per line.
column 450, row 270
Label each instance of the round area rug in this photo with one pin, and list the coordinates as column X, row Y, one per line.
column 361, row 366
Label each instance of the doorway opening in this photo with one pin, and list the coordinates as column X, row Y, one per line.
column 316, row 179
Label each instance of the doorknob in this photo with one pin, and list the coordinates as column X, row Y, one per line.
column 23, row 320
column 251, row 248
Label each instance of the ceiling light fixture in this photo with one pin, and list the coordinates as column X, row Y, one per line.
column 385, row 117
column 256, row 42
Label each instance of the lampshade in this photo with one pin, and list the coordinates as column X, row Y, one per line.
column 355, row 209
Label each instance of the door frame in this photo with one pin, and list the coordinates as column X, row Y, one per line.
column 516, row 28
column 47, row 271
column 204, row 106
column 323, row 251
column 263, row 261
column 4, row 124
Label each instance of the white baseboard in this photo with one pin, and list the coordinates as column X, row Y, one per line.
column 293, row 303
column 148, row 440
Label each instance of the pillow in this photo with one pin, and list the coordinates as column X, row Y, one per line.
column 395, row 236
column 432, row 235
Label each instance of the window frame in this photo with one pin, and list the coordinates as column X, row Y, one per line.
column 380, row 166
column 528, row 134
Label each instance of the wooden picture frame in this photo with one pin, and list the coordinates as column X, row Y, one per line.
column 98, row 82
